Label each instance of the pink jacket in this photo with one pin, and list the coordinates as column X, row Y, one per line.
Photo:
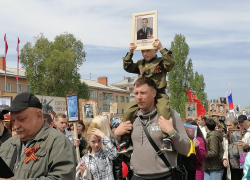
column 201, row 157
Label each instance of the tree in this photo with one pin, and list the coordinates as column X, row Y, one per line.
column 52, row 67
column 182, row 77
column 178, row 75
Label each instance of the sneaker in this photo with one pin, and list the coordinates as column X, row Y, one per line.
column 124, row 147
column 167, row 144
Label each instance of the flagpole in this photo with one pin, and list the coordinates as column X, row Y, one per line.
column 5, row 41
column 17, row 63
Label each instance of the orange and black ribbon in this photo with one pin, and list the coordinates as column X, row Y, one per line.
column 30, row 153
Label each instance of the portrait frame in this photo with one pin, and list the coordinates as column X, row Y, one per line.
column 8, row 100
column 187, row 111
column 191, row 127
column 115, row 120
column 108, row 114
column 238, row 137
column 223, row 100
column 151, row 32
column 215, row 109
column 72, row 106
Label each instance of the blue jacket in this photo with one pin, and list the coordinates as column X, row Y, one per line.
column 246, row 169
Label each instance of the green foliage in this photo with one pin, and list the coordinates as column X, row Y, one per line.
column 182, row 77
column 52, row 67
column 177, row 76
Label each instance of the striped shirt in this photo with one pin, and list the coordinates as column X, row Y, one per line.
column 100, row 165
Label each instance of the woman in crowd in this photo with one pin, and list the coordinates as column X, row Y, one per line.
column 99, row 154
column 200, row 149
column 231, row 156
column 80, row 132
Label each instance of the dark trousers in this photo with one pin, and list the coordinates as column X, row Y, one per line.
column 236, row 174
column 162, row 178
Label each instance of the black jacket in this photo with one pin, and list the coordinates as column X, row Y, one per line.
column 5, row 136
column 117, row 163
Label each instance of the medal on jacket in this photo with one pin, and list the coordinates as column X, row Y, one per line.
column 158, row 69
column 141, row 71
column 30, row 153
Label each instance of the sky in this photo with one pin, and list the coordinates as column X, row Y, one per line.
column 217, row 32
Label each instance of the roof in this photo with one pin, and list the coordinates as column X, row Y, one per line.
column 12, row 72
column 95, row 84
column 129, row 81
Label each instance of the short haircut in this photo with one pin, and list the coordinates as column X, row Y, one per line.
column 47, row 118
column 145, row 80
column 145, row 19
column 232, row 120
column 211, row 124
column 60, row 115
column 204, row 117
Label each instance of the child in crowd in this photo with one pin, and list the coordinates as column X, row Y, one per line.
column 99, row 154
column 155, row 68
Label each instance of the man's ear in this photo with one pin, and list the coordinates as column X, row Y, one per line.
column 39, row 114
column 154, row 92
column 156, row 50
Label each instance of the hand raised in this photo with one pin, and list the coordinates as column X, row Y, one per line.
column 98, row 133
column 132, row 47
column 157, row 44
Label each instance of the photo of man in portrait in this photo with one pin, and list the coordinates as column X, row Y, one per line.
column 145, row 32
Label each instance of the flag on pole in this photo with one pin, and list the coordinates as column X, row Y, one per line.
column 6, row 50
column 230, row 99
column 17, row 49
column 200, row 108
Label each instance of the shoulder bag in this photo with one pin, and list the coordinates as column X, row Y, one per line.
column 178, row 172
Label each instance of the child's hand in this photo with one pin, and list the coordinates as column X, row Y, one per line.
column 82, row 167
column 98, row 133
column 196, row 142
column 132, row 47
column 158, row 44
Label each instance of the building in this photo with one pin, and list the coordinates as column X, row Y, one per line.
column 12, row 84
column 104, row 94
column 100, row 91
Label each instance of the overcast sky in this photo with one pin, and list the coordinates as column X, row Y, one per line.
column 217, row 32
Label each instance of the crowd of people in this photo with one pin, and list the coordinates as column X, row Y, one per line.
column 150, row 144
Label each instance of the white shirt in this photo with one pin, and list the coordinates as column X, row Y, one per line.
column 204, row 132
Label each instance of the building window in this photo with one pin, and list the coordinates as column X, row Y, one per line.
column 122, row 98
column 122, row 111
column 19, row 88
column 127, row 99
column 108, row 96
column 8, row 87
column 116, row 98
column 92, row 94
column 28, row 87
column 117, row 112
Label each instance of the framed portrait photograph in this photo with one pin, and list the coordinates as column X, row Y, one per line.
column 106, row 115
column 217, row 109
column 191, row 130
column 72, row 107
column 5, row 102
column 144, row 29
column 235, row 135
column 116, row 120
column 222, row 100
column 247, row 112
column 191, row 110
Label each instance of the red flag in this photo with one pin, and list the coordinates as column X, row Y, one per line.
column 17, row 49
column 200, row 108
column 6, row 50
